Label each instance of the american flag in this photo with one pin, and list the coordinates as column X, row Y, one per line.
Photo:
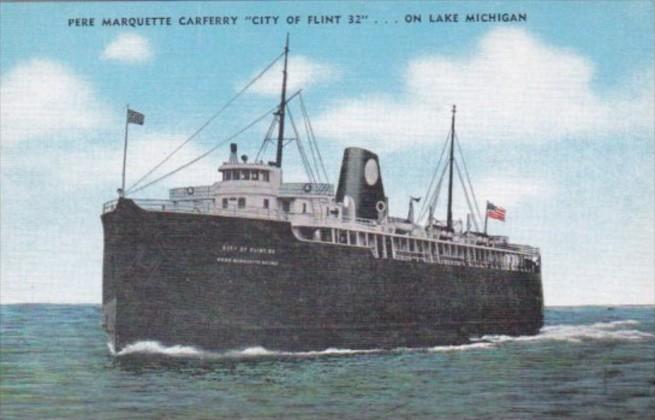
column 495, row 212
column 134, row 117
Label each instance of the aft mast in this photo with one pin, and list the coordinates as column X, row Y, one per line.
column 283, row 100
column 449, row 222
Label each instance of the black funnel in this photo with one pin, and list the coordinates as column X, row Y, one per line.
column 361, row 180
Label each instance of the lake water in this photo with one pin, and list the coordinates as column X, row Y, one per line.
column 592, row 362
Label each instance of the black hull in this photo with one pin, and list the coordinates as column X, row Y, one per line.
column 222, row 283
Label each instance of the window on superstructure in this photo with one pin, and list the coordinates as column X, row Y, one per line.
column 342, row 237
column 236, row 176
column 245, row 175
column 326, row 235
column 227, row 175
column 304, row 207
column 266, row 203
column 286, row 206
column 266, row 176
column 255, row 175
column 225, row 203
column 242, row 203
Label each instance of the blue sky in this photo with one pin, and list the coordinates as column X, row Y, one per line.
column 555, row 116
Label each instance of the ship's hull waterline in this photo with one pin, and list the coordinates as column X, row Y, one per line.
column 223, row 283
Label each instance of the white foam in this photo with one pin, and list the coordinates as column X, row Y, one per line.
column 615, row 324
column 154, row 347
column 462, row 347
column 600, row 331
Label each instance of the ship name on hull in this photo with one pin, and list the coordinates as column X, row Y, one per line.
column 244, row 249
column 231, row 260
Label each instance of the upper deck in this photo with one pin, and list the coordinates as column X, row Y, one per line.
column 382, row 238
column 316, row 213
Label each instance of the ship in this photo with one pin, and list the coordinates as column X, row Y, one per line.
column 252, row 261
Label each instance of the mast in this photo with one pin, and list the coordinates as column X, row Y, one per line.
column 283, row 100
column 450, row 177
column 121, row 191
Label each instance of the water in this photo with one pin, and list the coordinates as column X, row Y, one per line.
column 588, row 362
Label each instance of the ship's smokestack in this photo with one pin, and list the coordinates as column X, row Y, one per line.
column 233, row 153
column 360, row 184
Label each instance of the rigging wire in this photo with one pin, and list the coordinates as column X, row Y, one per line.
column 313, row 137
column 466, row 195
column 207, row 153
column 131, row 189
column 311, row 149
column 271, row 111
column 468, row 179
column 434, row 198
column 312, row 146
column 301, row 149
column 267, row 139
column 430, row 192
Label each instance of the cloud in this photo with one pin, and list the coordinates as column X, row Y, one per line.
column 510, row 192
column 44, row 97
column 512, row 88
column 303, row 72
column 97, row 166
column 130, row 48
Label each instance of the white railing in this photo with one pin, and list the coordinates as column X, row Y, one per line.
column 203, row 207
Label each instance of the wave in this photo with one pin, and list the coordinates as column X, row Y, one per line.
column 599, row 331
column 461, row 347
column 155, row 347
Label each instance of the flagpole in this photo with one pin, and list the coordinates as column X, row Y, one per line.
column 121, row 192
column 486, row 217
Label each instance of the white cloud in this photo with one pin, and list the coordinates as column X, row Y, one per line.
column 149, row 149
column 96, row 166
column 303, row 72
column 128, row 48
column 513, row 88
column 510, row 192
column 44, row 97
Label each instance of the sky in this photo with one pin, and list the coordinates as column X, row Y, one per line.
column 555, row 117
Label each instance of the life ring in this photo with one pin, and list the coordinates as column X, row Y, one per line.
column 307, row 187
column 380, row 206
column 190, row 190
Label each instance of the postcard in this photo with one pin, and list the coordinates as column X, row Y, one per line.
column 386, row 209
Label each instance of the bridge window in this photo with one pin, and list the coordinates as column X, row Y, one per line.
column 326, row 235
column 227, row 175
column 242, row 202
column 255, row 175
column 236, row 175
column 245, row 175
